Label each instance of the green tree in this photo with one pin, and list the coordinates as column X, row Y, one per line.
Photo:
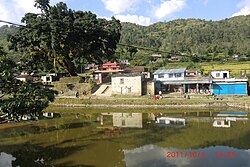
column 20, row 98
column 64, row 35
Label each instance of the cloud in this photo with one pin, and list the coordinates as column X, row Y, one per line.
column 205, row 2
column 169, row 7
column 244, row 8
column 119, row 6
column 134, row 19
column 244, row 11
column 14, row 10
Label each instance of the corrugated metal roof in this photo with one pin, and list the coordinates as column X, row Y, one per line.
column 169, row 71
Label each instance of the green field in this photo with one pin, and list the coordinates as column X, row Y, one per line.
column 235, row 67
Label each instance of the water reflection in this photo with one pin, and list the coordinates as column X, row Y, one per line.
column 6, row 159
column 124, row 120
column 133, row 139
column 151, row 155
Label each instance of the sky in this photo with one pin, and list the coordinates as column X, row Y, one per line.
column 143, row 12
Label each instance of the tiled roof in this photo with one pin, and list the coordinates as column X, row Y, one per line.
column 170, row 71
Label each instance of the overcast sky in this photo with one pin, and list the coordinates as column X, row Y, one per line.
column 143, row 12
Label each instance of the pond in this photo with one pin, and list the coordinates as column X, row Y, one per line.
column 125, row 137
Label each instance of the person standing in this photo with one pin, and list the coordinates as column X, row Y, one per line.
column 77, row 94
column 160, row 94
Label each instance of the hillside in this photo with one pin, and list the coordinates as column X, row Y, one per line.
column 189, row 36
column 199, row 40
column 192, row 36
column 5, row 31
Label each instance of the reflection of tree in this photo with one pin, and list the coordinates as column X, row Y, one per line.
column 32, row 155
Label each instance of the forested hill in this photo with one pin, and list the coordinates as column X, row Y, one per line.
column 192, row 36
column 5, row 31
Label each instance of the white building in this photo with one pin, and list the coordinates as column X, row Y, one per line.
column 170, row 74
column 220, row 74
column 127, row 85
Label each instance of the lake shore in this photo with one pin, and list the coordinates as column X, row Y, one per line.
column 195, row 101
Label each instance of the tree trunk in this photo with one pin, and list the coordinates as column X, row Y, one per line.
column 70, row 67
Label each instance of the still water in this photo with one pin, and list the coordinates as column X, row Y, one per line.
column 112, row 137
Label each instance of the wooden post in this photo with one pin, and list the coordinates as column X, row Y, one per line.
column 197, row 88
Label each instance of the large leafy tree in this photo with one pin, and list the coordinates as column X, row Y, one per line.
column 65, row 35
column 20, row 98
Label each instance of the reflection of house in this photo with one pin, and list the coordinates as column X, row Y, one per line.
column 170, row 121
column 103, row 75
column 126, row 120
column 127, row 84
column 223, row 122
column 48, row 115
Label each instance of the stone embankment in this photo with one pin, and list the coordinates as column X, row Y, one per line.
column 209, row 105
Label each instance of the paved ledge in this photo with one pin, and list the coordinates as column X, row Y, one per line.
column 210, row 105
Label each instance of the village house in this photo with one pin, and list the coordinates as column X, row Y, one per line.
column 139, row 70
column 49, row 78
column 127, row 84
column 169, row 80
column 174, row 58
column 105, row 71
column 220, row 74
column 191, row 81
column 124, row 62
column 181, row 80
column 91, row 67
column 24, row 77
column 224, row 85
column 193, row 73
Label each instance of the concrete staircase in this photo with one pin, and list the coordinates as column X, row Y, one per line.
column 104, row 90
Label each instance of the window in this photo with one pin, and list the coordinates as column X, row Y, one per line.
column 129, row 90
column 161, row 76
column 170, row 75
column 123, row 122
column 217, row 74
column 177, row 75
column 122, row 81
